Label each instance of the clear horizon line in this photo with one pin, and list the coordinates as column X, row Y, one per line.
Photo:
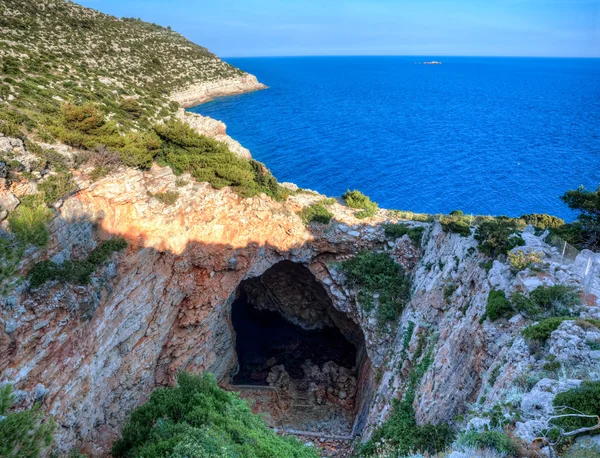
column 407, row 55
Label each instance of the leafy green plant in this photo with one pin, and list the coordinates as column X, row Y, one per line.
column 497, row 236
column 449, row 290
column 184, row 150
column 23, row 434
column 377, row 273
column 585, row 399
column 520, row 259
column 394, row 231
column 78, row 272
column 356, row 199
column 498, row 306
column 29, row 221
column 316, row 213
column 456, row 227
column 495, row 440
column 197, row 418
column 542, row 220
column 541, row 331
column 167, row 198
column 56, row 187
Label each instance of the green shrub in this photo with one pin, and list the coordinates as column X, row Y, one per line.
column 585, row 399
column 316, row 213
column 542, row 330
column 556, row 298
column 83, row 118
column 456, row 227
column 585, row 232
column 356, row 199
column 184, row 150
column 395, row 231
column 132, row 106
column 495, row 440
column 29, row 221
column 448, row 292
column 167, row 197
column 547, row 301
column 198, row 419
column 498, row 306
column 57, row 187
column 497, row 236
column 11, row 130
column 78, row 272
column 23, row 434
column 542, row 220
column 377, row 273
column 520, row 259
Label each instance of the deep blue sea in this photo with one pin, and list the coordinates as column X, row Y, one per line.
column 484, row 135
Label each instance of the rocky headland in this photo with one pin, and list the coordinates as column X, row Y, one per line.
column 129, row 229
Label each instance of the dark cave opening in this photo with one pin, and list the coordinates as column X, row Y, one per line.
column 300, row 361
column 265, row 339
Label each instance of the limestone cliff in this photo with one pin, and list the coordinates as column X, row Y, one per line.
column 92, row 353
column 205, row 91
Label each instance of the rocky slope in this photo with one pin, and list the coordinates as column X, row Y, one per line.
column 92, row 353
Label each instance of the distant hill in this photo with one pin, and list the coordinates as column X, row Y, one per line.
column 53, row 51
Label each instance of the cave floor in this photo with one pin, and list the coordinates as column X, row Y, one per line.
column 296, row 410
column 289, row 414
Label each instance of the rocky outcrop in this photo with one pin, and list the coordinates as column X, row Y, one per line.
column 203, row 92
column 213, row 129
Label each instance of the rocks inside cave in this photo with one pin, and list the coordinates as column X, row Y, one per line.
column 306, row 359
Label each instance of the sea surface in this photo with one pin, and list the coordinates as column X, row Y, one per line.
column 500, row 136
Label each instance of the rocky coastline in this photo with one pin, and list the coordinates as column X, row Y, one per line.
column 203, row 92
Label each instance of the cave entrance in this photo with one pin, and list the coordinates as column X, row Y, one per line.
column 300, row 361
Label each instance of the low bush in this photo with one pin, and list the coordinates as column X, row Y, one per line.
column 547, row 301
column 167, row 198
column 542, row 220
column 78, row 272
column 29, row 221
column 56, row 187
column 456, row 227
column 541, row 331
column 356, row 199
column 316, row 213
column 23, row 434
column 184, row 150
column 498, row 306
column 520, row 259
column 196, row 418
column 495, row 440
column 377, row 273
column 449, row 290
column 585, row 399
column 394, row 231
column 497, row 236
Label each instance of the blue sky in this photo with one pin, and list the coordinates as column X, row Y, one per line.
column 235, row 28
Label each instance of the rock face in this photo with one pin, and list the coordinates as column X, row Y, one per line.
column 203, row 92
column 93, row 353
column 160, row 307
